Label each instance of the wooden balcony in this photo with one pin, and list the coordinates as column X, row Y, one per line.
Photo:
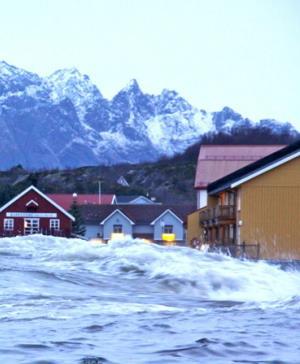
column 218, row 215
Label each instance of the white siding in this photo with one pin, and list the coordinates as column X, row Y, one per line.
column 168, row 219
column 201, row 198
column 116, row 219
column 92, row 231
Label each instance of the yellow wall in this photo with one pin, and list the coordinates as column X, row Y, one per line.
column 212, row 201
column 193, row 226
column 270, row 212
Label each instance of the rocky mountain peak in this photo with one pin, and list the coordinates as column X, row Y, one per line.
column 71, row 84
column 6, row 69
column 13, row 79
column 169, row 101
column 65, row 119
column 226, row 118
column 132, row 87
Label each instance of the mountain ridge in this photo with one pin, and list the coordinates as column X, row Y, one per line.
column 63, row 120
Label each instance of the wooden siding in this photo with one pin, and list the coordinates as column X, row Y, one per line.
column 212, row 201
column 44, row 206
column 194, row 229
column 270, row 212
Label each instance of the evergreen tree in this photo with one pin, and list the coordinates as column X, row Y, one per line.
column 77, row 225
column 7, row 192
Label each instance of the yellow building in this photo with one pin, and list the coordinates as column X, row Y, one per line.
column 258, row 204
column 214, row 162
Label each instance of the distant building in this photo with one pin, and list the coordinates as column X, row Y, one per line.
column 155, row 223
column 216, row 161
column 122, row 181
column 135, row 200
column 33, row 212
column 257, row 204
column 65, row 200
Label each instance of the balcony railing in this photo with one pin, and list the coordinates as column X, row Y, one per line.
column 248, row 251
column 217, row 214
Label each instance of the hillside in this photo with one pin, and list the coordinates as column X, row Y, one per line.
column 169, row 180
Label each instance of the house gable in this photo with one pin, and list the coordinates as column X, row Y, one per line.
column 31, row 212
column 32, row 203
column 140, row 200
column 255, row 169
column 41, row 194
column 168, row 219
column 117, row 211
column 117, row 219
column 164, row 213
column 266, row 169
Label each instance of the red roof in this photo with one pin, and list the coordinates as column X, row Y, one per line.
column 216, row 161
column 66, row 200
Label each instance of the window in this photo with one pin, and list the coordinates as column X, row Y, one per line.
column 117, row 229
column 8, row 224
column 54, row 224
column 31, row 226
column 168, row 229
column 239, row 200
column 167, row 236
column 231, row 198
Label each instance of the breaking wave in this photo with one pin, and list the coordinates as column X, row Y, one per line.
column 178, row 270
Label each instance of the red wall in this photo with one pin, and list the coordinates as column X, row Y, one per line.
column 44, row 207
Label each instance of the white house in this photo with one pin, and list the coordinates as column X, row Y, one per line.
column 153, row 222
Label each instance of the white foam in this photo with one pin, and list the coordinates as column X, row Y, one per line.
column 210, row 276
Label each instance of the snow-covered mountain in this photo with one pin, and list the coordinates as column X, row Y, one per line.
column 64, row 121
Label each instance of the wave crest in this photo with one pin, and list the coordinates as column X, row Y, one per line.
column 207, row 275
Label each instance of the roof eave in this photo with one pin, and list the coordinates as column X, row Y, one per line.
column 235, row 182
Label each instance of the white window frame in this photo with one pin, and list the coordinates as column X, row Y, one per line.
column 54, row 224
column 9, row 224
column 31, row 225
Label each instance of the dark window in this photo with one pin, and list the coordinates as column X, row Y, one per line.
column 117, row 228
column 168, row 229
column 31, row 208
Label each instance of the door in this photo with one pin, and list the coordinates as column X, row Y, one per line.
column 31, row 226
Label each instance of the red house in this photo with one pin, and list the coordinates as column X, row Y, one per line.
column 33, row 212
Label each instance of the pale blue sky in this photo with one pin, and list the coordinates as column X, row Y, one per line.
column 240, row 53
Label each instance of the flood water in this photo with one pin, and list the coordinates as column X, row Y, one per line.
column 130, row 302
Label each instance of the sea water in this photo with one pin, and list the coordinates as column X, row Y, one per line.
column 73, row 301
